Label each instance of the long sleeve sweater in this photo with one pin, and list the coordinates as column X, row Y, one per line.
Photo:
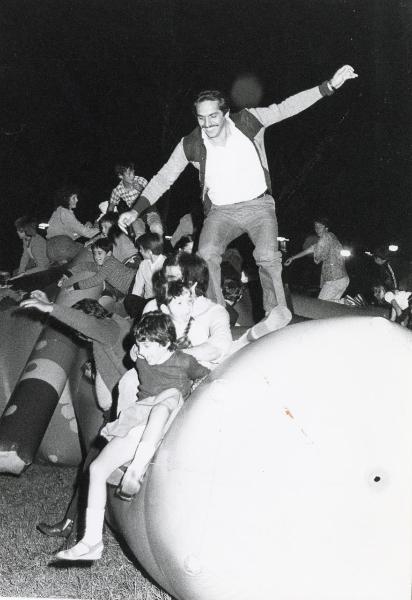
column 112, row 271
column 64, row 222
column 34, row 257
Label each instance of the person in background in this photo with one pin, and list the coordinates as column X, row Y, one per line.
column 228, row 151
column 327, row 250
column 384, row 270
column 399, row 301
column 34, row 257
column 126, row 193
column 63, row 220
column 151, row 249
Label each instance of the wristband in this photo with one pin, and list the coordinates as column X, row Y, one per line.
column 326, row 88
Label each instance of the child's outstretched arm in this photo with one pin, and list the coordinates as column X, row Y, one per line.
column 167, row 402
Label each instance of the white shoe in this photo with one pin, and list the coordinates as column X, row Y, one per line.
column 81, row 551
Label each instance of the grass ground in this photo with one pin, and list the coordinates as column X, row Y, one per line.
column 42, row 493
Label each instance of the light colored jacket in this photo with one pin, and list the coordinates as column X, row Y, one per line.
column 63, row 222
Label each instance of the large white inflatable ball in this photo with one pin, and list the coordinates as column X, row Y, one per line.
column 287, row 476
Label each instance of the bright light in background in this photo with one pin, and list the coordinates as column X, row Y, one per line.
column 368, row 253
column 43, row 225
column 283, row 239
column 345, row 253
column 393, row 248
column 244, row 278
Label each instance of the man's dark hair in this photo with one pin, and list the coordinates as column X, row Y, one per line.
column 213, row 95
column 92, row 307
column 104, row 244
column 121, row 168
column 155, row 326
column 150, row 241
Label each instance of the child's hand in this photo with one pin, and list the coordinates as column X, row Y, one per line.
column 41, row 303
column 130, row 484
column 39, row 295
column 62, row 280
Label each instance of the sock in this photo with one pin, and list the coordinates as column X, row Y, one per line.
column 93, row 533
column 143, row 456
column 278, row 317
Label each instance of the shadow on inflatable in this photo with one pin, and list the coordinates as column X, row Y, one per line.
column 285, row 476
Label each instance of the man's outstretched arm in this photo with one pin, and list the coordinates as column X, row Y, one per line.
column 299, row 102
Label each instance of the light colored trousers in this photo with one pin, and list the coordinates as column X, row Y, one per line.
column 333, row 290
column 257, row 218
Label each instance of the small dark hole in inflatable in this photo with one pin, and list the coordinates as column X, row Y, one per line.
column 377, row 478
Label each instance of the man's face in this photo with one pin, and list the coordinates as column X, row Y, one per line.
column 210, row 118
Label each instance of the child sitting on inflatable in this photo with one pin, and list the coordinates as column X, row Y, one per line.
column 165, row 379
column 108, row 270
column 123, row 248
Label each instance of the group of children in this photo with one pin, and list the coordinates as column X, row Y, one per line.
column 124, row 265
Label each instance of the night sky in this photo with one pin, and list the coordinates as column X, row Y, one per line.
column 86, row 84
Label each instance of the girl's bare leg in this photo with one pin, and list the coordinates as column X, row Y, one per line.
column 153, row 434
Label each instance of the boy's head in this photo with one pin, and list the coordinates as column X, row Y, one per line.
column 125, row 172
column 379, row 292
column 26, row 227
column 100, row 249
column 155, row 336
column 107, row 221
column 150, row 245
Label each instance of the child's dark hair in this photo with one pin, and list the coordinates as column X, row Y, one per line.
column 194, row 270
column 92, row 307
column 114, row 231
column 323, row 220
column 167, row 290
column 186, row 239
column 156, row 326
column 150, row 241
column 26, row 224
column 104, row 244
column 121, row 168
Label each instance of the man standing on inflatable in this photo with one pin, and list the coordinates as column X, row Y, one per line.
column 228, row 150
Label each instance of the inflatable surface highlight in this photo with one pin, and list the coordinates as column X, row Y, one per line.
column 287, row 473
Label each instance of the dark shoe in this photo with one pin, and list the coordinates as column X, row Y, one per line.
column 61, row 529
